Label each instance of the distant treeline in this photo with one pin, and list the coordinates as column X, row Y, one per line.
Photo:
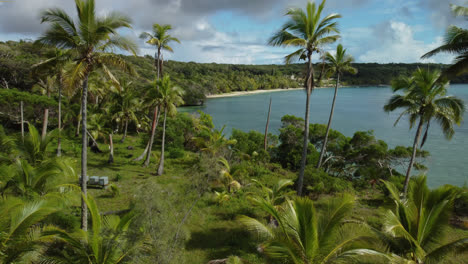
column 200, row 79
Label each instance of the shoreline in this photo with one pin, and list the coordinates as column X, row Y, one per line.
column 240, row 93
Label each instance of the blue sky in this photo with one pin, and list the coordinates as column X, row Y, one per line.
column 236, row 31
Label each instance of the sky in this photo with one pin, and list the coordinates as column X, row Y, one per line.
column 236, row 31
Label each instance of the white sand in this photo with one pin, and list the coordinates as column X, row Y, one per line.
column 240, row 93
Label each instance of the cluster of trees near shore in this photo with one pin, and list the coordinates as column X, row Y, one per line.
column 292, row 228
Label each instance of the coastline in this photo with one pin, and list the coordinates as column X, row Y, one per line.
column 240, row 93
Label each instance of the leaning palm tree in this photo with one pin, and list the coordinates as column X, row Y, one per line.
column 416, row 228
column 424, row 99
column 304, row 235
column 160, row 39
column 56, row 63
column 91, row 36
column 169, row 97
column 456, row 43
column 338, row 64
column 309, row 31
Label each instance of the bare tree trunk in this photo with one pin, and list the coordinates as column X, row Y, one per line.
column 125, row 131
column 84, row 154
column 324, row 146
column 46, row 119
column 310, row 86
column 111, row 153
column 161, row 162
column 153, row 131
column 22, row 120
column 413, row 156
column 59, row 140
column 265, row 143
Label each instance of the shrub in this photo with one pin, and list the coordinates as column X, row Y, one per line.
column 319, row 182
column 176, row 153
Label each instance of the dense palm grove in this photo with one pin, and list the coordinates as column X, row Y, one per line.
column 181, row 191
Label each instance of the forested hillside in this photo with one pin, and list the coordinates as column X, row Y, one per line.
column 200, row 79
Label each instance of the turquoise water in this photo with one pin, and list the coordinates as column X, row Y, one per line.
column 357, row 109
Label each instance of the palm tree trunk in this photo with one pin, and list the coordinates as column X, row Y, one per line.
column 125, row 131
column 22, row 120
column 413, row 156
column 77, row 133
column 84, row 154
column 59, row 140
column 46, row 119
column 161, row 162
column 153, row 131
column 310, row 85
column 111, row 153
column 265, row 143
column 324, row 146
column 144, row 152
column 157, row 68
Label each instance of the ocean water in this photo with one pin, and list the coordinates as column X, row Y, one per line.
column 357, row 109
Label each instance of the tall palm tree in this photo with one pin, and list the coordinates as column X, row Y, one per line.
column 127, row 104
column 309, row 31
column 416, row 227
column 160, row 39
column 56, row 63
column 169, row 97
column 423, row 99
column 304, row 235
column 91, row 36
column 338, row 64
column 455, row 42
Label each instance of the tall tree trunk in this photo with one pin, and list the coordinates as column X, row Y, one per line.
column 153, row 131
column 125, row 131
column 324, row 146
column 59, row 140
column 111, row 153
column 158, row 69
column 310, row 86
column 265, row 143
column 413, row 156
column 22, row 120
column 161, row 162
column 77, row 133
column 46, row 119
column 84, row 154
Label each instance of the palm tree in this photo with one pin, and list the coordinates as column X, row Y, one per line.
column 304, row 235
column 307, row 30
column 276, row 195
column 91, row 36
column 105, row 243
column 21, row 233
column 417, row 226
column 127, row 104
column 227, row 177
column 34, row 147
column 169, row 97
column 338, row 64
column 425, row 99
column 56, row 63
column 214, row 142
column 455, row 42
column 160, row 39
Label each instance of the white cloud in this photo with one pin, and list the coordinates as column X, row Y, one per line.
column 391, row 41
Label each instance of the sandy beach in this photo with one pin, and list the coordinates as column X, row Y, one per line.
column 240, row 93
